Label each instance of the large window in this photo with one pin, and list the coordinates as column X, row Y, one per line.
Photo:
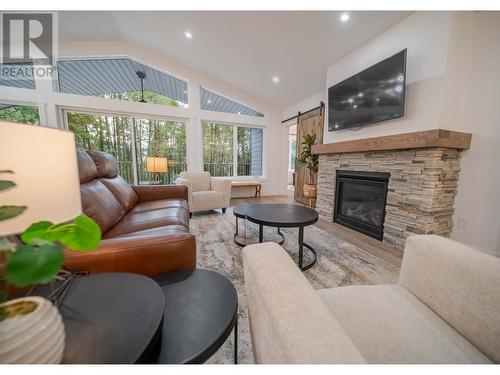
column 105, row 133
column 20, row 113
column 218, row 155
column 249, row 151
column 122, row 79
column 160, row 139
column 232, row 150
column 163, row 140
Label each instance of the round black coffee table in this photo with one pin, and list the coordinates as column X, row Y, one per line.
column 240, row 212
column 201, row 310
column 110, row 318
column 284, row 216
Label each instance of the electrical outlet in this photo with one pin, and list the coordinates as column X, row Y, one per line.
column 463, row 222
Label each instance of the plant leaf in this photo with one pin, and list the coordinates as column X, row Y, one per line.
column 4, row 184
column 8, row 212
column 33, row 265
column 85, row 235
column 39, row 230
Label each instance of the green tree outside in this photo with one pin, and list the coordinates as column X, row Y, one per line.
column 21, row 113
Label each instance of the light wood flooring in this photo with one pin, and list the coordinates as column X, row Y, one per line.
column 365, row 243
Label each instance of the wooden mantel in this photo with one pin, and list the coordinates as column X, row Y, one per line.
column 422, row 139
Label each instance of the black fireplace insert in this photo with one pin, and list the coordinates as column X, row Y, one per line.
column 360, row 199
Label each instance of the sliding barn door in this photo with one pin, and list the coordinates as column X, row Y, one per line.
column 308, row 123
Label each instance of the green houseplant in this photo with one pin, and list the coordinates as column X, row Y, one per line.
column 35, row 257
column 311, row 162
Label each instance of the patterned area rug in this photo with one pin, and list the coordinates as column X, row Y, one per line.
column 339, row 263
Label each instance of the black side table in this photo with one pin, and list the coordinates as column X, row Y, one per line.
column 201, row 310
column 110, row 318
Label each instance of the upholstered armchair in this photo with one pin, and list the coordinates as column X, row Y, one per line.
column 206, row 192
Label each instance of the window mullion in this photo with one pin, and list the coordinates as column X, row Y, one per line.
column 134, row 150
column 235, row 151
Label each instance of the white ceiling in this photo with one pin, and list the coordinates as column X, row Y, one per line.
column 243, row 49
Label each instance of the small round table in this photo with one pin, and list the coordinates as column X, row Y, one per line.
column 201, row 310
column 240, row 212
column 284, row 216
column 110, row 318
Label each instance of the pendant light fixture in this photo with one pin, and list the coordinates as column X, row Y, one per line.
column 142, row 77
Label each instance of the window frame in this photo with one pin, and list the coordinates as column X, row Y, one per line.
column 235, row 127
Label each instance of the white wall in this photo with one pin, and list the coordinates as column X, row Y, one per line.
column 51, row 103
column 453, row 82
column 305, row 105
column 471, row 103
column 426, row 36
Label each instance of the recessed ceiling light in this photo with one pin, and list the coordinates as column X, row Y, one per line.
column 276, row 79
column 209, row 101
column 188, row 34
column 239, row 113
column 344, row 17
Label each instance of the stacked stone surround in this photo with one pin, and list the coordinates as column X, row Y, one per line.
column 421, row 190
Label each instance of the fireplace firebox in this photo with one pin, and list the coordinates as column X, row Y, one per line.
column 360, row 199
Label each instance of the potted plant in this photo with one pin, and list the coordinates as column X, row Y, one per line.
column 31, row 328
column 311, row 162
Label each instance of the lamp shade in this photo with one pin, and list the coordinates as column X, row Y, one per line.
column 154, row 164
column 45, row 173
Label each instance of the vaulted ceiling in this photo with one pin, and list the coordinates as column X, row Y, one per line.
column 243, row 49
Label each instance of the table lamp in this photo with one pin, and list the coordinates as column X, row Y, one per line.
column 156, row 165
column 45, row 171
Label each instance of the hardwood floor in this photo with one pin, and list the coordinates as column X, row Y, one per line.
column 370, row 245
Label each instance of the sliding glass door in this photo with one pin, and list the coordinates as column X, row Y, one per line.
column 148, row 151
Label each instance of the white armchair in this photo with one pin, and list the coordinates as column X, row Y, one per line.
column 206, row 192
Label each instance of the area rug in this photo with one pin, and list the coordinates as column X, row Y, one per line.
column 339, row 263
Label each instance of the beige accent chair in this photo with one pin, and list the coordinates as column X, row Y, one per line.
column 444, row 309
column 206, row 192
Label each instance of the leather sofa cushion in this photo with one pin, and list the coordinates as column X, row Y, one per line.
column 170, row 229
column 122, row 191
column 100, row 204
column 146, row 255
column 134, row 222
column 388, row 324
column 86, row 167
column 107, row 166
column 159, row 204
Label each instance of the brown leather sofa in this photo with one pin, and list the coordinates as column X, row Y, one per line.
column 145, row 228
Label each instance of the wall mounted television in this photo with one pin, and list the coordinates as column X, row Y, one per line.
column 373, row 95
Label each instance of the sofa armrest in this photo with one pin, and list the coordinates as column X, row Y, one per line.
column 222, row 185
column 148, row 193
column 288, row 321
column 189, row 186
column 146, row 255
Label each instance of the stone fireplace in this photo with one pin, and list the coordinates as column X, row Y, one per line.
column 420, row 171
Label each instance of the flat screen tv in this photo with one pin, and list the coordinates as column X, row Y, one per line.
column 373, row 95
